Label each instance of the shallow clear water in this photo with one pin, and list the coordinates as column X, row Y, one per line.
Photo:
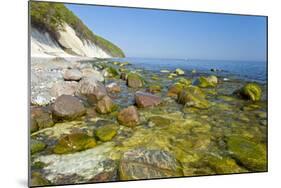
column 248, row 70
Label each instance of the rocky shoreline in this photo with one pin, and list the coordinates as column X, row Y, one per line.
column 101, row 120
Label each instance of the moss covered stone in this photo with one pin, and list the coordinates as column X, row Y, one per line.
column 134, row 80
column 36, row 146
column 106, row 132
column 159, row 120
column 193, row 97
column 251, row 91
column 154, row 88
column 223, row 165
column 175, row 89
column 111, row 72
column 252, row 155
column 73, row 143
column 210, row 81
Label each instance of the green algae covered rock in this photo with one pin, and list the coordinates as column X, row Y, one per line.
column 210, row 81
column 154, row 88
column 252, row 155
column 148, row 164
column 111, row 72
column 38, row 180
column 73, row 143
column 134, row 80
column 36, row 146
column 251, row 91
column 193, row 97
column 175, row 89
column 106, row 132
column 159, row 120
column 223, row 165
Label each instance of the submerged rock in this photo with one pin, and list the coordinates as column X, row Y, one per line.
column 134, row 80
column 73, row 143
column 113, row 88
column 92, row 89
column 223, row 165
column 159, row 120
column 193, row 97
column 90, row 165
column 67, row 107
column 146, row 99
column 210, row 81
column 36, row 146
column 72, row 75
column 251, row 155
column 106, row 132
column 148, row 164
column 105, row 105
column 251, row 91
column 128, row 116
column 38, row 180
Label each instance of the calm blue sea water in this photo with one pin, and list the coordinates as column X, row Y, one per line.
column 248, row 70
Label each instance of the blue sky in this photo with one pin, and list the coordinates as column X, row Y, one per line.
column 174, row 34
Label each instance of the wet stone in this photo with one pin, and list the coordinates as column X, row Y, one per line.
column 148, row 164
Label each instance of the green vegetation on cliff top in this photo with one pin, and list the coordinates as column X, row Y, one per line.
column 50, row 17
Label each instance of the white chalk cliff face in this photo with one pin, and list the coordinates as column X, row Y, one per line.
column 68, row 45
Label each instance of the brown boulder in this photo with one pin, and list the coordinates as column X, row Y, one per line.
column 146, row 99
column 128, row 116
column 105, row 105
column 92, row 89
column 64, row 88
column 40, row 119
column 72, row 75
column 67, row 107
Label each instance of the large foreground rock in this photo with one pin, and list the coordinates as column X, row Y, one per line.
column 148, row 164
column 92, row 89
column 128, row 116
column 251, row 155
column 146, row 99
column 67, row 107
